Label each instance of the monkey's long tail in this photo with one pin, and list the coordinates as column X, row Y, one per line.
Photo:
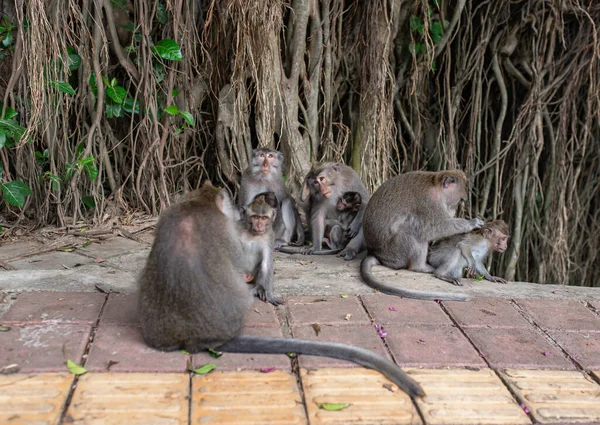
column 366, row 358
column 365, row 271
column 301, row 250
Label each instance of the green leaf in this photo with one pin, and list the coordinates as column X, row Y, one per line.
column 116, row 93
column 63, row 87
column 416, row 24
column 88, row 201
column 73, row 59
column 205, row 369
column 174, row 92
column 4, row 328
column 437, row 31
column 187, row 117
column 215, row 354
column 15, row 192
column 185, row 351
column 167, row 49
column 172, row 110
column 12, row 129
column 54, row 180
column 88, row 165
column 113, row 109
column 8, row 40
column 130, row 106
column 2, row 138
column 75, row 369
column 159, row 72
column 93, row 84
column 129, row 27
column 479, row 278
column 10, row 112
column 161, row 13
column 333, row 406
column 1, row 170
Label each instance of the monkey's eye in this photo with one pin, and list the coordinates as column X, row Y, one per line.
column 270, row 155
column 255, row 217
column 263, row 218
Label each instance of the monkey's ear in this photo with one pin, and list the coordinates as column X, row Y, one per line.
column 305, row 190
column 280, row 156
column 357, row 206
column 486, row 232
column 448, row 180
column 337, row 167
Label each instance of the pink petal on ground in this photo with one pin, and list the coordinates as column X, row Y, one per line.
column 267, row 369
column 392, row 308
column 546, row 353
column 383, row 334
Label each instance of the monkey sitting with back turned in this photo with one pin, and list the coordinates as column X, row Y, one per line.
column 193, row 295
column 451, row 256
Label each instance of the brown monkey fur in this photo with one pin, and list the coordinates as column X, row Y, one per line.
column 468, row 251
column 407, row 213
column 193, row 295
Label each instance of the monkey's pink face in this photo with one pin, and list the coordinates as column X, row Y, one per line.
column 322, row 183
column 342, row 205
column 266, row 160
column 500, row 242
column 260, row 224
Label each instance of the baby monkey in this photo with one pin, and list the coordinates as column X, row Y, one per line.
column 469, row 250
column 336, row 230
column 258, row 240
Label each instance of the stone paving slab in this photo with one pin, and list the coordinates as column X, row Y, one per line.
column 43, row 347
column 583, row 347
column 122, row 349
column 431, row 346
column 120, row 309
column 261, row 314
column 33, row 399
column 388, row 309
column 363, row 336
column 235, row 361
column 460, row 396
column 517, row 348
column 246, row 398
column 111, row 248
column 56, row 306
column 19, row 249
column 130, row 398
column 333, row 310
column 556, row 396
column 372, row 397
column 57, row 260
column 486, row 312
column 561, row 315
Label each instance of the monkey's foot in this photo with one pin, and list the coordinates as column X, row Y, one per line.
column 497, row 279
column 348, row 254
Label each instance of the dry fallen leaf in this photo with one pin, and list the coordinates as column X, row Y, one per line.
column 317, row 328
column 348, row 316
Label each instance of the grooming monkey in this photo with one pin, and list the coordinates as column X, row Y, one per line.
column 335, row 229
column 193, row 295
column 404, row 215
column 452, row 255
column 258, row 240
column 264, row 174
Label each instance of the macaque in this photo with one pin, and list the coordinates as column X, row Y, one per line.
column 452, row 255
column 193, row 293
column 265, row 175
column 258, row 240
column 335, row 229
column 404, row 215
column 331, row 181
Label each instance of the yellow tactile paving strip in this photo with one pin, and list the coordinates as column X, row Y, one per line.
column 247, row 397
column 373, row 398
column 556, row 396
column 33, row 399
column 130, row 398
column 461, row 396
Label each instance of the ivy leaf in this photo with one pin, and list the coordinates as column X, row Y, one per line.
column 167, row 49
column 116, row 93
column 7, row 41
column 161, row 13
column 130, row 106
column 333, row 406
column 416, row 24
column 113, row 109
column 10, row 112
column 93, row 84
column 63, row 87
column 73, row 59
column 2, row 138
column 172, row 110
column 88, row 201
column 205, row 369
column 15, row 192
column 437, row 31
column 187, row 117
column 215, row 354
column 75, row 369
column 88, row 165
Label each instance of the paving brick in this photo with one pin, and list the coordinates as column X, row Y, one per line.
column 583, row 347
column 518, row 348
column 486, row 312
column 57, row 260
column 130, row 398
column 43, row 347
column 460, row 396
column 404, row 311
column 121, row 309
column 561, row 315
column 233, row 361
column 596, row 305
column 261, row 314
column 372, row 397
column 111, row 248
column 363, row 336
column 431, row 347
column 246, row 397
column 33, row 399
column 307, row 310
column 556, row 396
column 18, row 249
column 124, row 344
column 73, row 307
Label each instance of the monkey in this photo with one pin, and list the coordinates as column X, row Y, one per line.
column 335, row 229
column 192, row 293
column 258, row 240
column 403, row 216
column 452, row 255
column 264, row 174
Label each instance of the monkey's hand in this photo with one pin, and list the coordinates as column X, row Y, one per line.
column 496, row 279
column 262, row 295
column 476, row 223
column 348, row 254
column 308, row 250
column 353, row 229
column 471, row 270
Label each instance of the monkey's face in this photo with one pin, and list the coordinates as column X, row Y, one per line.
column 323, row 183
column 265, row 161
column 499, row 241
column 259, row 224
